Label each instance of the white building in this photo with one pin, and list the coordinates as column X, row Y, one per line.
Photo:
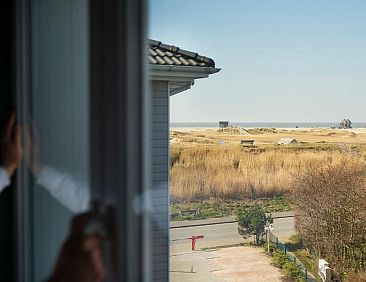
column 172, row 71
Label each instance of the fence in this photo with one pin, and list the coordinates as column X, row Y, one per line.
column 274, row 242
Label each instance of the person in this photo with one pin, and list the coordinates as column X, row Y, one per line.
column 81, row 258
column 72, row 194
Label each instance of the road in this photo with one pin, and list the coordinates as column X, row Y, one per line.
column 222, row 234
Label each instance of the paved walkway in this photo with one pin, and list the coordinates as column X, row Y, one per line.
column 248, row 264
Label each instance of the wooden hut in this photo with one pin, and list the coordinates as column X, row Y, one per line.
column 223, row 124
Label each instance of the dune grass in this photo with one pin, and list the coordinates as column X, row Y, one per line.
column 231, row 172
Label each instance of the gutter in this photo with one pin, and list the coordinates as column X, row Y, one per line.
column 184, row 69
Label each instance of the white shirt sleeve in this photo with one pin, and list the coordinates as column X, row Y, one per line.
column 4, row 179
column 62, row 186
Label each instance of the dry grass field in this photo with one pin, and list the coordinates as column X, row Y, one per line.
column 211, row 164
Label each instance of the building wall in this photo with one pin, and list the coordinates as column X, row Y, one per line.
column 159, row 240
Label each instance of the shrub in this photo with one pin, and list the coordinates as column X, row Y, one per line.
column 252, row 220
column 292, row 270
column 330, row 210
column 271, row 248
column 279, row 257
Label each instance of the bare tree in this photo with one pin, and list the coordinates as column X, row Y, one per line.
column 330, row 209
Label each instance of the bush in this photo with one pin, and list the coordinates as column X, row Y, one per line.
column 330, row 210
column 279, row 257
column 271, row 248
column 252, row 220
column 292, row 270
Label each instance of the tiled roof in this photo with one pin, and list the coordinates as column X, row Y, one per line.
column 163, row 54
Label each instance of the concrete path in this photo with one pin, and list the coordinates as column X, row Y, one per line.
column 193, row 266
column 248, row 264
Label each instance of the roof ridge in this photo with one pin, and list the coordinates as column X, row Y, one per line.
column 183, row 52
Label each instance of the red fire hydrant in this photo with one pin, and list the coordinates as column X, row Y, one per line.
column 194, row 238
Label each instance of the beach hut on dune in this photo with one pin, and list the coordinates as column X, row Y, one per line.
column 223, row 124
column 345, row 124
column 287, row 141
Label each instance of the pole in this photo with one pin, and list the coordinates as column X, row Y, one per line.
column 193, row 243
column 268, row 240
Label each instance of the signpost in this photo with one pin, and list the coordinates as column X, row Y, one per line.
column 268, row 228
column 194, row 238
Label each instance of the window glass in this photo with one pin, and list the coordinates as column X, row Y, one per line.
column 58, row 124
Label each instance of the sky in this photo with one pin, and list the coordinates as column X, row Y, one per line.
column 280, row 60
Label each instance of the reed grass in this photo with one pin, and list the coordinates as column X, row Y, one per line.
column 232, row 173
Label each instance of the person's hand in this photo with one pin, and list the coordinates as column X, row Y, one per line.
column 11, row 147
column 81, row 258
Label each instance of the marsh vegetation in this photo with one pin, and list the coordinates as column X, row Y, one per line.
column 206, row 169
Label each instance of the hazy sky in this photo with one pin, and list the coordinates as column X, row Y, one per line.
column 281, row 60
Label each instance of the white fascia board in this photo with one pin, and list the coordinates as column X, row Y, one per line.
column 179, row 73
column 178, row 89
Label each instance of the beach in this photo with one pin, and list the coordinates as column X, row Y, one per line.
column 265, row 136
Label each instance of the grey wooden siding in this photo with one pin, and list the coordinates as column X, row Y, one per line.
column 159, row 233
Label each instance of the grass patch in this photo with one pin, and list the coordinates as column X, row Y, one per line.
column 217, row 208
column 290, row 269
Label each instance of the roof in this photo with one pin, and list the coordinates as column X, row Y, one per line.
column 346, row 120
column 286, row 141
column 169, row 55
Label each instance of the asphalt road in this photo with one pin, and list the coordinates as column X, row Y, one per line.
column 222, row 234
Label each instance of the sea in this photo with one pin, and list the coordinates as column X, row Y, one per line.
column 265, row 124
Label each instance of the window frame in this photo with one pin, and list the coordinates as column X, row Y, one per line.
column 118, row 118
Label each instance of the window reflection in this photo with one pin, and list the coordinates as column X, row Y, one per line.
column 58, row 129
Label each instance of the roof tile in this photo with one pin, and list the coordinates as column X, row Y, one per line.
column 160, row 60
column 163, row 54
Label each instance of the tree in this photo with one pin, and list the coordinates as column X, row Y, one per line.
column 252, row 220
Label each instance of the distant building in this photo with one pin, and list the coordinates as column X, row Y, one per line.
column 223, row 124
column 345, row 124
column 287, row 141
